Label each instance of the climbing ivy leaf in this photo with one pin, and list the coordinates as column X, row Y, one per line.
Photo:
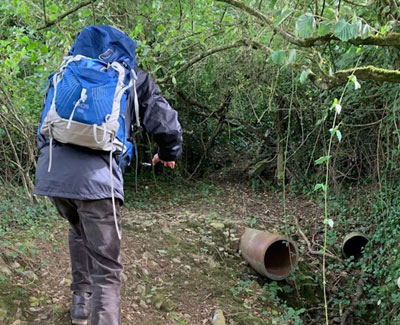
column 44, row 49
column 86, row 12
column 305, row 25
column 32, row 45
column 23, row 40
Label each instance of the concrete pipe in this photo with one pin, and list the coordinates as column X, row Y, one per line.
column 354, row 244
column 271, row 255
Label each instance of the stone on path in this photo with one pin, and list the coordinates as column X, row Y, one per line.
column 4, row 268
column 30, row 275
column 18, row 322
column 219, row 318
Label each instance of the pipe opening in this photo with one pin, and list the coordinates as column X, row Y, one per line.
column 354, row 246
column 280, row 257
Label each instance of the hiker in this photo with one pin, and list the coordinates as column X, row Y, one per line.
column 86, row 185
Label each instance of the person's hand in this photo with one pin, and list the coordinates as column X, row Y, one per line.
column 156, row 160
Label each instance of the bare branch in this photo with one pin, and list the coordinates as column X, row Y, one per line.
column 67, row 13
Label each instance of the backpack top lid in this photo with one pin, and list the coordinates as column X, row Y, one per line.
column 105, row 43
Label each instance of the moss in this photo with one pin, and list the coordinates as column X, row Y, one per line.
column 373, row 73
column 192, row 247
column 11, row 298
column 162, row 303
column 194, row 224
column 172, row 239
column 390, row 39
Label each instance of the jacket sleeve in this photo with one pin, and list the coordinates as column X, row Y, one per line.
column 158, row 118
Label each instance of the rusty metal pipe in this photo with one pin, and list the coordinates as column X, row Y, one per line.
column 271, row 255
column 354, row 244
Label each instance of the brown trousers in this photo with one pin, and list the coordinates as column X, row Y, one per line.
column 95, row 254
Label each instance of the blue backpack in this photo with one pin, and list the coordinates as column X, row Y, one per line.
column 87, row 99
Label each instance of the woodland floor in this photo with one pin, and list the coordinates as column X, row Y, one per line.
column 180, row 255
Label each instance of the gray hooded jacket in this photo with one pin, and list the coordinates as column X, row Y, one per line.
column 84, row 174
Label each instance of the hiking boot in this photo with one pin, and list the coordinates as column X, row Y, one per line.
column 81, row 307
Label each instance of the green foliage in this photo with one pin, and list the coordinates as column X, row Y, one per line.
column 285, row 13
column 325, row 28
column 291, row 315
column 278, row 57
column 345, row 31
column 18, row 214
column 305, row 25
column 379, row 265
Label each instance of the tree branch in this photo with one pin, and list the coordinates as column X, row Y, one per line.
column 362, row 73
column 230, row 121
column 392, row 39
column 357, row 4
column 221, row 119
column 201, row 56
column 67, row 13
column 258, row 14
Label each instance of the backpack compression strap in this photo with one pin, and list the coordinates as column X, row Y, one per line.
column 135, row 100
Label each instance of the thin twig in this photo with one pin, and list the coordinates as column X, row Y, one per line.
column 309, row 246
column 67, row 13
column 201, row 56
column 93, row 12
column 44, row 11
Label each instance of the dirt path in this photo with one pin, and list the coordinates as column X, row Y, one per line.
column 179, row 253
